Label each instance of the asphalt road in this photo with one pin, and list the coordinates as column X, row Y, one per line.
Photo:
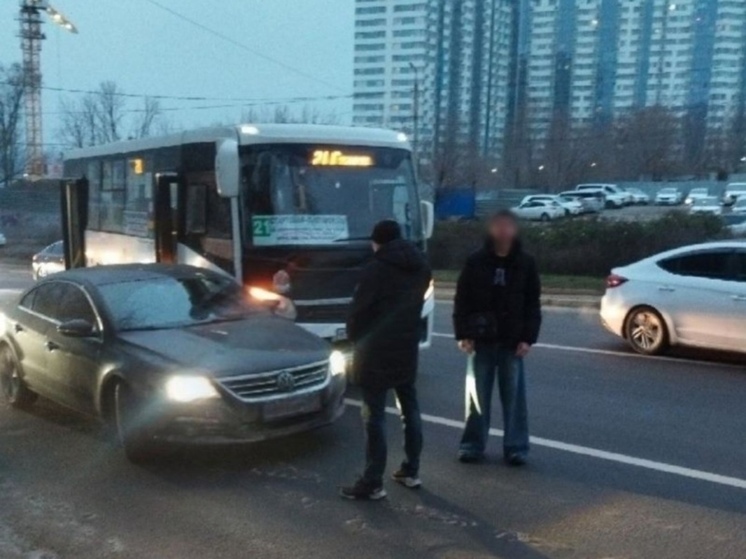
column 633, row 458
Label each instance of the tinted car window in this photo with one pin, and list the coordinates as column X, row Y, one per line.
column 74, row 305
column 47, row 299
column 713, row 265
column 740, row 267
column 27, row 302
column 174, row 302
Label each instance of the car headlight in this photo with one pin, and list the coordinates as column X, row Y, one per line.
column 186, row 388
column 337, row 363
column 281, row 305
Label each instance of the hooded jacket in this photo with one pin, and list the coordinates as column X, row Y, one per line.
column 498, row 299
column 385, row 323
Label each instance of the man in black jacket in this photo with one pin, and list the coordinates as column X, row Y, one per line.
column 497, row 317
column 385, row 327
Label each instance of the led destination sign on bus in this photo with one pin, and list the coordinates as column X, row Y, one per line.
column 329, row 158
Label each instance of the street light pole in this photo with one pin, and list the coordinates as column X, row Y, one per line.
column 416, row 115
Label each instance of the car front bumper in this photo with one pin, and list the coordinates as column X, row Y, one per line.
column 229, row 420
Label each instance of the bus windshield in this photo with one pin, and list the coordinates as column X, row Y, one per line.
column 323, row 195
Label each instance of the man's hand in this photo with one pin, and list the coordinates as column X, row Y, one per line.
column 467, row 346
column 522, row 349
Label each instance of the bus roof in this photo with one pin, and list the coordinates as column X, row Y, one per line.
column 248, row 134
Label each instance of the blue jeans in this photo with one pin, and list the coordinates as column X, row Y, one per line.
column 487, row 361
column 374, row 418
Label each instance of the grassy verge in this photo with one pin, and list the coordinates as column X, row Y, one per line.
column 549, row 281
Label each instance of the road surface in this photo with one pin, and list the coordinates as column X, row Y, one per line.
column 632, row 458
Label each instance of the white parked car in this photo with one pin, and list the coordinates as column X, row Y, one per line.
column 572, row 207
column 669, row 197
column 734, row 191
column 639, row 197
column 708, row 205
column 692, row 296
column 615, row 196
column 696, row 194
column 539, row 210
column 593, row 200
column 739, row 208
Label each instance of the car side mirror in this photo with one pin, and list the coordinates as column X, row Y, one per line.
column 76, row 328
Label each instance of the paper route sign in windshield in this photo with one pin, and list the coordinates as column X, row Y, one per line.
column 272, row 230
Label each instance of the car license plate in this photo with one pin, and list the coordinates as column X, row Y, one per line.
column 289, row 407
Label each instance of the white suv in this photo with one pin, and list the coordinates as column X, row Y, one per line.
column 615, row 196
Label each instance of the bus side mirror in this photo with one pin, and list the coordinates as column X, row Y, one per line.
column 227, row 167
column 428, row 219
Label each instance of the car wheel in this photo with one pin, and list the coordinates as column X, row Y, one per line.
column 13, row 388
column 646, row 331
column 131, row 425
column 545, row 217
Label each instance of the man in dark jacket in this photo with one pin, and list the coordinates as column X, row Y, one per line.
column 497, row 316
column 385, row 327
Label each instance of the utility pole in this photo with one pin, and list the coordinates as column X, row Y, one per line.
column 31, row 37
column 416, row 115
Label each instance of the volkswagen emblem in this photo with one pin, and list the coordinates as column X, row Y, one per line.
column 285, row 382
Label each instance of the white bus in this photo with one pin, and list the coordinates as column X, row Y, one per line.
column 286, row 209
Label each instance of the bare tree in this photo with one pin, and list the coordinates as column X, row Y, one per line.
column 102, row 116
column 11, row 105
column 282, row 114
column 147, row 118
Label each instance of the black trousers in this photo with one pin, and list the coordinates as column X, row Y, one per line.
column 374, row 420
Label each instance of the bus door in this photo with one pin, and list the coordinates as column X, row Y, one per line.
column 74, row 203
column 168, row 187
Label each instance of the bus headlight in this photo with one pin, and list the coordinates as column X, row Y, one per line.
column 280, row 305
column 337, row 363
column 186, row 388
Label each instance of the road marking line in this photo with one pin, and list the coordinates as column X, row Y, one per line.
column 576, row 349
column 591, row 452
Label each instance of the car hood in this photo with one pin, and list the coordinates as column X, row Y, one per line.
column 254, row 345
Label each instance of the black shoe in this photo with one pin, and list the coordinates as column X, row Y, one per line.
column 363, row 491
column 407, row 480
column 516, row 459
column 470, row 457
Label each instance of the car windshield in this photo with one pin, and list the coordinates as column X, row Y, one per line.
column 175, row 302
column 303, row 194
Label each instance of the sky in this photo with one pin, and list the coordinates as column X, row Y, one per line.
column 146, row 49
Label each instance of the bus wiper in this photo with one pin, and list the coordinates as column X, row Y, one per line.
column 348, row 239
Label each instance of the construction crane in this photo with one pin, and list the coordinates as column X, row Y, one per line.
column 31, row 37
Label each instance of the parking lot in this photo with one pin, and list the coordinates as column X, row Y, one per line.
column 632, row 457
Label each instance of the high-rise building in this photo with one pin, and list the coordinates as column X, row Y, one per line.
column 594, row 60
column 485, row 68
column 391, row 54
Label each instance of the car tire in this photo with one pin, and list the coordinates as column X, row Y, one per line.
column 646, row 331
column 130, row 422
column 545, row 217
column 13, row 389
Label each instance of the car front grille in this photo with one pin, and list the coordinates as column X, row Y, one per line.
column 280, row 383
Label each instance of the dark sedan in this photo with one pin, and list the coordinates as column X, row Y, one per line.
column 167, row 354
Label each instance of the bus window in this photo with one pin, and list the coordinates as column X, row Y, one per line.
column 113, row 191
column 93, row 174
column 196, row 206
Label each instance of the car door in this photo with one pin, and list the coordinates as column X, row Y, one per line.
column 75, row 360
column 738, row 298
column 29, row 328
column 697, row 294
